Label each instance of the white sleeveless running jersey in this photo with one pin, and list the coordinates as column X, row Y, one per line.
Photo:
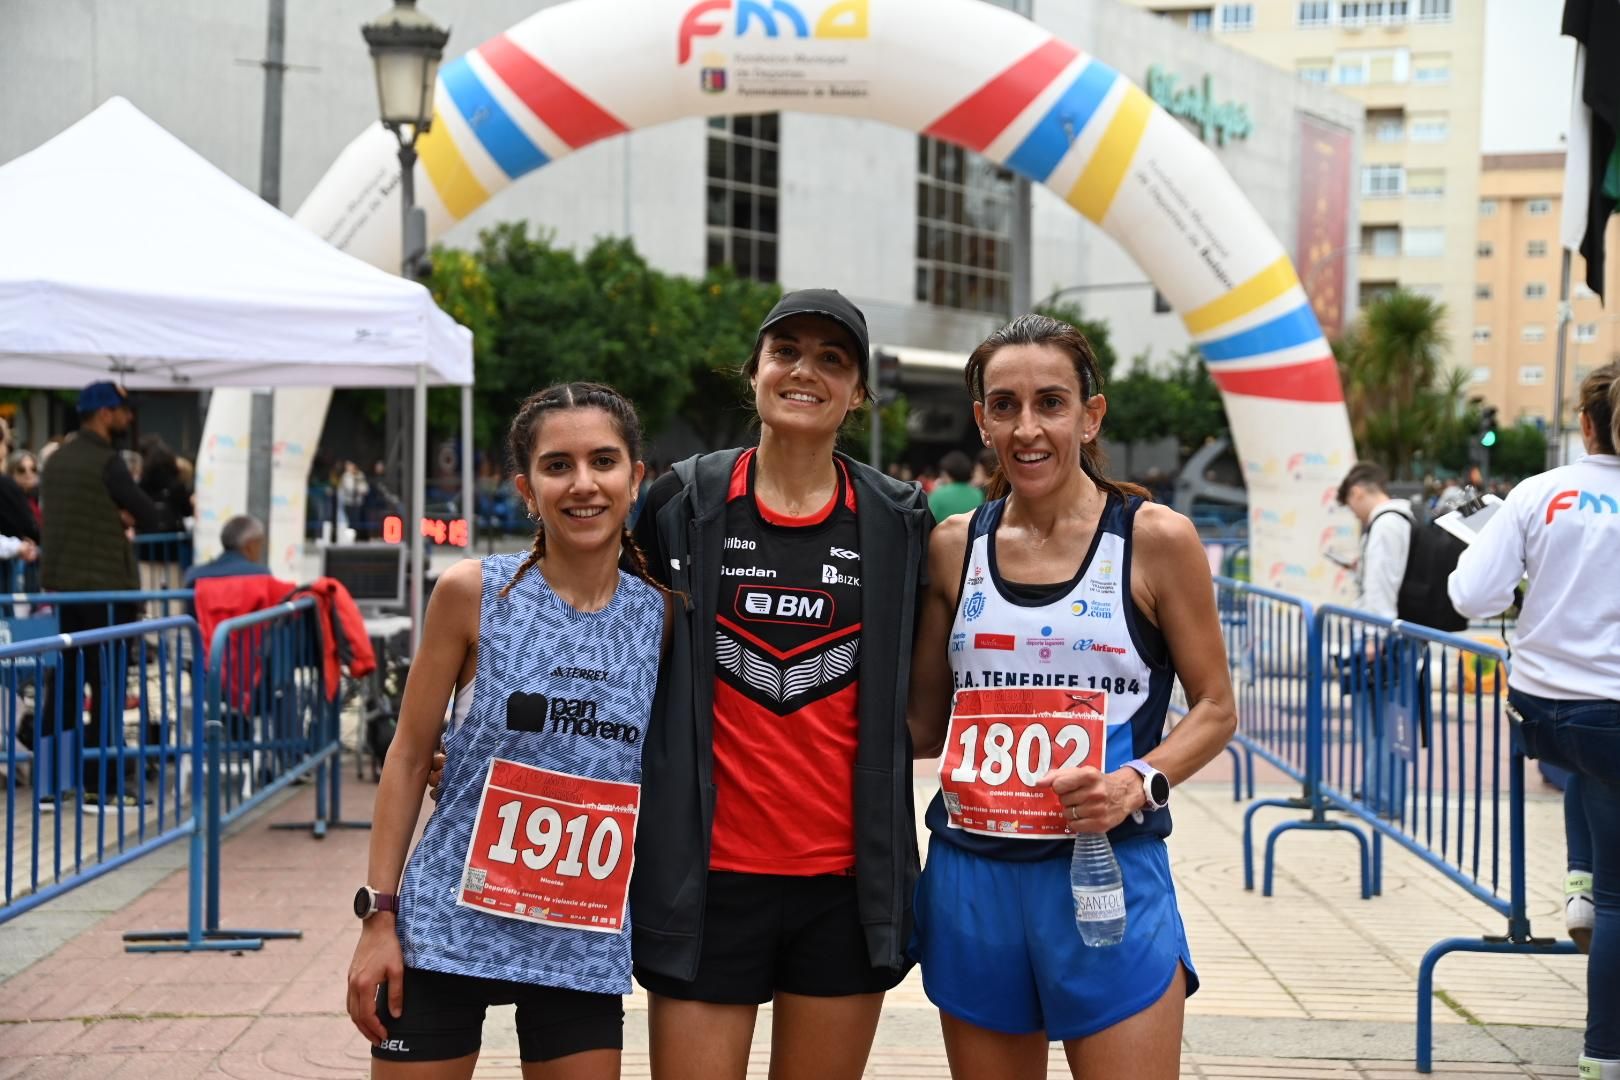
column 1086, row 635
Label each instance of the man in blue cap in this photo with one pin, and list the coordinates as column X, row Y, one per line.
column 88, row 500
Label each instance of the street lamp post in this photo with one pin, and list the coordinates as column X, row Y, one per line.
column 1103, row 286
column 406, row 47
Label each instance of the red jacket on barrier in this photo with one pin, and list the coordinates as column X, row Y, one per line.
column 345, row 645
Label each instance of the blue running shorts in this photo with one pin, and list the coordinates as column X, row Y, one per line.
column 999, row 947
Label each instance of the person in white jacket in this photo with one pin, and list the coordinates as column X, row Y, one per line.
column 1561, row 529
column 1386, row 536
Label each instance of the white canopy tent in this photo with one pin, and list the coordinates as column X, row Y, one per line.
column 125, row 255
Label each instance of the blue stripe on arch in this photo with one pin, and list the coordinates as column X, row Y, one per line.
column 1296, row 327
column 504, row 140
column 1051, row 138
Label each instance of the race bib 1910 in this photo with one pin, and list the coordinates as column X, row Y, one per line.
column 1003, row 740
column 551, row 848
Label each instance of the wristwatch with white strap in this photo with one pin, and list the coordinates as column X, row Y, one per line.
column 1155, row 785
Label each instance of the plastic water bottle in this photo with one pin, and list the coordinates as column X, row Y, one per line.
column 1099, row 892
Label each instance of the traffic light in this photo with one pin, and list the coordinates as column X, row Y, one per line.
column 1487, row 426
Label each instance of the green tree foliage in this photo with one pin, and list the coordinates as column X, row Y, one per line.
column 1095, row 330
column 1520, row 451
column 1402, row 410
column 726, row 311
column 541, row 314
column 1183, row 402
column 607, row 317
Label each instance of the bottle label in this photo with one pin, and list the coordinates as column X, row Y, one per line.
column 1100, row 906
column 1001, row 741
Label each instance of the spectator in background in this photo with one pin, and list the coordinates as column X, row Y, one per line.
column 23, row 467
column 928, row 479
column 352, row 490
column 1386, row 536
column 956, row 495
column 984, row 467
column 243, row 541
column 161, row 480
column 19, row 515
column 1559, row 530
column 88, row 492
column 13, row 548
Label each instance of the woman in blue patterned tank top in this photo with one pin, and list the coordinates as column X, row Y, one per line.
column 1055, row 729
column 517, row 891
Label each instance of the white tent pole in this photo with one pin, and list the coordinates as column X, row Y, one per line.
column 469, row 498
column 418, row 503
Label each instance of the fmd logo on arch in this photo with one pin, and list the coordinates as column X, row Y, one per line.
column 774, row 18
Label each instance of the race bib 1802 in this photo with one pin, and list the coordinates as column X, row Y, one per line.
column 1003, row 740
column 551, row 848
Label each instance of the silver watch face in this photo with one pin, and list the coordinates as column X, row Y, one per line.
column 1158, row 786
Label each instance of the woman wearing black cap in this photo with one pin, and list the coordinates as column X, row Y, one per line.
column 776, row 849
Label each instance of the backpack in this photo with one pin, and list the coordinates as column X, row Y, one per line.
column 1430, row 559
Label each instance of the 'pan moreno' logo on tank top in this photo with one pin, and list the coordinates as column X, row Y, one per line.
column 565, row 716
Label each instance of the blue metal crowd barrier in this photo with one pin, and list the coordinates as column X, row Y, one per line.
column 270, row 723
column 163, row 558
column 1276, row 670
column 94, row 803
column 1418, row 747
column 1400, row 730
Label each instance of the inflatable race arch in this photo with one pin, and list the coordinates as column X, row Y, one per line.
column 960, row 70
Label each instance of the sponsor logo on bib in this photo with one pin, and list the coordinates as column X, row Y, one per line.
column 1001, row 642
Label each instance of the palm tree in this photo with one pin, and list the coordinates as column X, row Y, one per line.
column 1390, row 363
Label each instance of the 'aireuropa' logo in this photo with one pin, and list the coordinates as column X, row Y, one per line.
column 774, row 18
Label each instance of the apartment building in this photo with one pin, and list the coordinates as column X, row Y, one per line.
column 1515, row 331
column 1417, row 68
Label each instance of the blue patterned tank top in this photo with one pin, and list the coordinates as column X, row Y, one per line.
column 532, row 642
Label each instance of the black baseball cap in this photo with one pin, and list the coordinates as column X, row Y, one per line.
column 828, row 304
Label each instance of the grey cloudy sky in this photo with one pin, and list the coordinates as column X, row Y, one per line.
column 1528, row 73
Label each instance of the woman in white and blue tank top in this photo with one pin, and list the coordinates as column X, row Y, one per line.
column 1058, row 615
column 517, row 891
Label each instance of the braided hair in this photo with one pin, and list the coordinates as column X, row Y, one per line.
column 520, row 443
column 1035, row 329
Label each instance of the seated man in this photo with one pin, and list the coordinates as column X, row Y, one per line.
column 243, row 539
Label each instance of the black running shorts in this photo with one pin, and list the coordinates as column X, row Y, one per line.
column 443, row 1018
column 764, row 933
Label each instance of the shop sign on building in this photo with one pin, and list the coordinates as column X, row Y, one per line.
column 1194, row 102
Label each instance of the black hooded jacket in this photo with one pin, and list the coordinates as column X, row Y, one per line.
column 681, row 529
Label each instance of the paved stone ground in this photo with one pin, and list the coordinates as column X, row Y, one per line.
column 1312, row 983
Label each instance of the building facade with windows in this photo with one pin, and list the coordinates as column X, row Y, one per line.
column 1417, row 66
column 920, row 233
column 1516, row 284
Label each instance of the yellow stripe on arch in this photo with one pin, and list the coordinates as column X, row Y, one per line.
column 1253, row 294
column 1099, row 181
column 448, row 171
